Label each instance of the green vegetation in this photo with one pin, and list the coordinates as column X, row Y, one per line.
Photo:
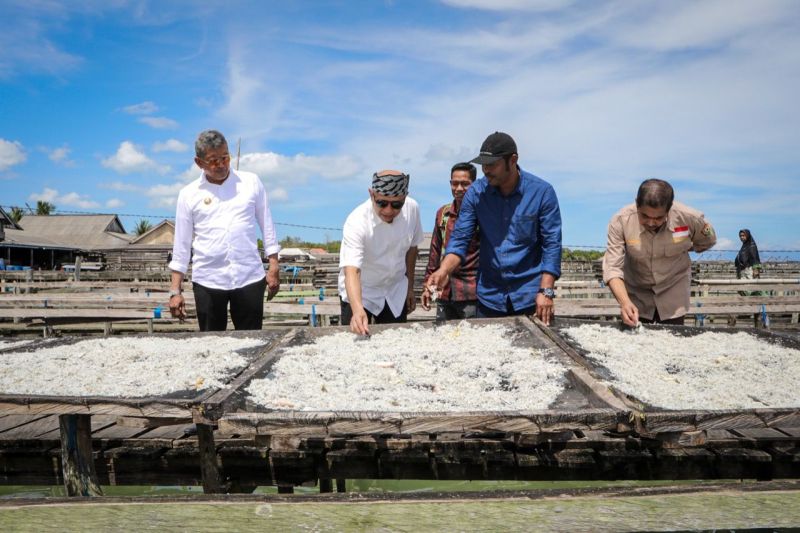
column 297, row 242
column 142, row 227
column 16, row 213
column 581, row 255
column 44, row 208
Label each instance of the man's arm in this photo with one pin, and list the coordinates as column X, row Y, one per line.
column 627, row 309
column 545, row 308
column 433, row 260
column 550, row 234
column 441, row 277
column 703, row 234
column 613, row 271
column 177, row 304
column 273, row 276
column 359, row 324
column 411, row 261
column 181, row 255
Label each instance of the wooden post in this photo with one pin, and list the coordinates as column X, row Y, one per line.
column 77, row 268
column 285, row 489
column 212, row 481
column 150, row 326
column 341, row 485
column 325, row 485
column 77, row 462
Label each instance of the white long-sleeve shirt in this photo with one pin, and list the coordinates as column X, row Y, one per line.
column 379, row 250
column 215, row 228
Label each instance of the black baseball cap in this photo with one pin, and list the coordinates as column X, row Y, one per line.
column 494, row 147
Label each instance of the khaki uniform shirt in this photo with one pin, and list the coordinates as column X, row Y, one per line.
column 656, row 267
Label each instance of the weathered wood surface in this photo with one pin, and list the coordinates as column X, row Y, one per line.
column 362, row 423
column 167, row 455
column 77, row 456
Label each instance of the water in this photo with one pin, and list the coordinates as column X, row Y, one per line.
column 771, row 511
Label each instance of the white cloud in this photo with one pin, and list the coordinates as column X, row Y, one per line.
column 170, row 145
column 144, row 108
column 113, row 203
column 11, row 153
column 61, row 155
column 278, row 194
column 70, row 199
column 164, row 195
column 159, row 123
column 47, row 195
column 77, row 200
column 130, row 159
column 510, row 5
column 277, row 168
column 121, row 186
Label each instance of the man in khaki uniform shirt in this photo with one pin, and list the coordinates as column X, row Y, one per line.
column 647, row 264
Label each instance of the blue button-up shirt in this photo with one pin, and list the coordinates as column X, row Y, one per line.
column 520, row 238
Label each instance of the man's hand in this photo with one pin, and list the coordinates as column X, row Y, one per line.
column 411, row 301
column 177, row 306
column 426, row 297
column 545, row 309
column 438, row 279
column 629, row 313
column 359, row 324
column 273, row 283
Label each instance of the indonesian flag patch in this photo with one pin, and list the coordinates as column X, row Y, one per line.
column 680, row 233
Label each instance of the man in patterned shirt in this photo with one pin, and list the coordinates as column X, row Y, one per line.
column 459, row 299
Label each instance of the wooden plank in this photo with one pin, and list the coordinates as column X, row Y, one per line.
column 150, row 422
column 45, row 405
column 99, row 422
column 10, row 422
column 212, row 479
column 230, row 396
column 764, row 434
column 31, row 430
column 77, row 460
column 582, row 373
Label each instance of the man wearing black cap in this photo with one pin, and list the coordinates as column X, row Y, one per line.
column 519, row 221
column 378, row 255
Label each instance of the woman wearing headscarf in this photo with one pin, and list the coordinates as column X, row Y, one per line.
column 747, row 261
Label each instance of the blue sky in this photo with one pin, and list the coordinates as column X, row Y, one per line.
column 100, row 103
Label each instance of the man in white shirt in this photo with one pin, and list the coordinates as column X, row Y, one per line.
column 215, row 228
column 378, row 254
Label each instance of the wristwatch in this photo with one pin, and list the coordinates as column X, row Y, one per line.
column 175, row 293
column 549, row 292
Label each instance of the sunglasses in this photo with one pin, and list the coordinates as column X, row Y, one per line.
column 217, row 162
column 396, row 204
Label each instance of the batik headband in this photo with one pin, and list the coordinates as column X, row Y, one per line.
column 390, row 183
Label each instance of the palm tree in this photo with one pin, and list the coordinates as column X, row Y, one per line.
column 142, row 227
column 16, row 214
column 44, row 208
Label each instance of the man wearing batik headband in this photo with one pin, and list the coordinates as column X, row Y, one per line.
column 378, row 255
column 647, row 264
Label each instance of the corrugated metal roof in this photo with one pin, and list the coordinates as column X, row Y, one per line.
column 23, row 239
column 87, row 232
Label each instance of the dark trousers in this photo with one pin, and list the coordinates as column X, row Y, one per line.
column 450, row 310
column 384, row 317
column 488, row 312
column 677, row 321
column 247, row 306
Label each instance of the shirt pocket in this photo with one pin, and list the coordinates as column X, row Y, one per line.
column 674, row 249
column 525, row 229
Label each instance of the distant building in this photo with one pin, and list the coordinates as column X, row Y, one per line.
column 151, row 250
column 49, row 241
